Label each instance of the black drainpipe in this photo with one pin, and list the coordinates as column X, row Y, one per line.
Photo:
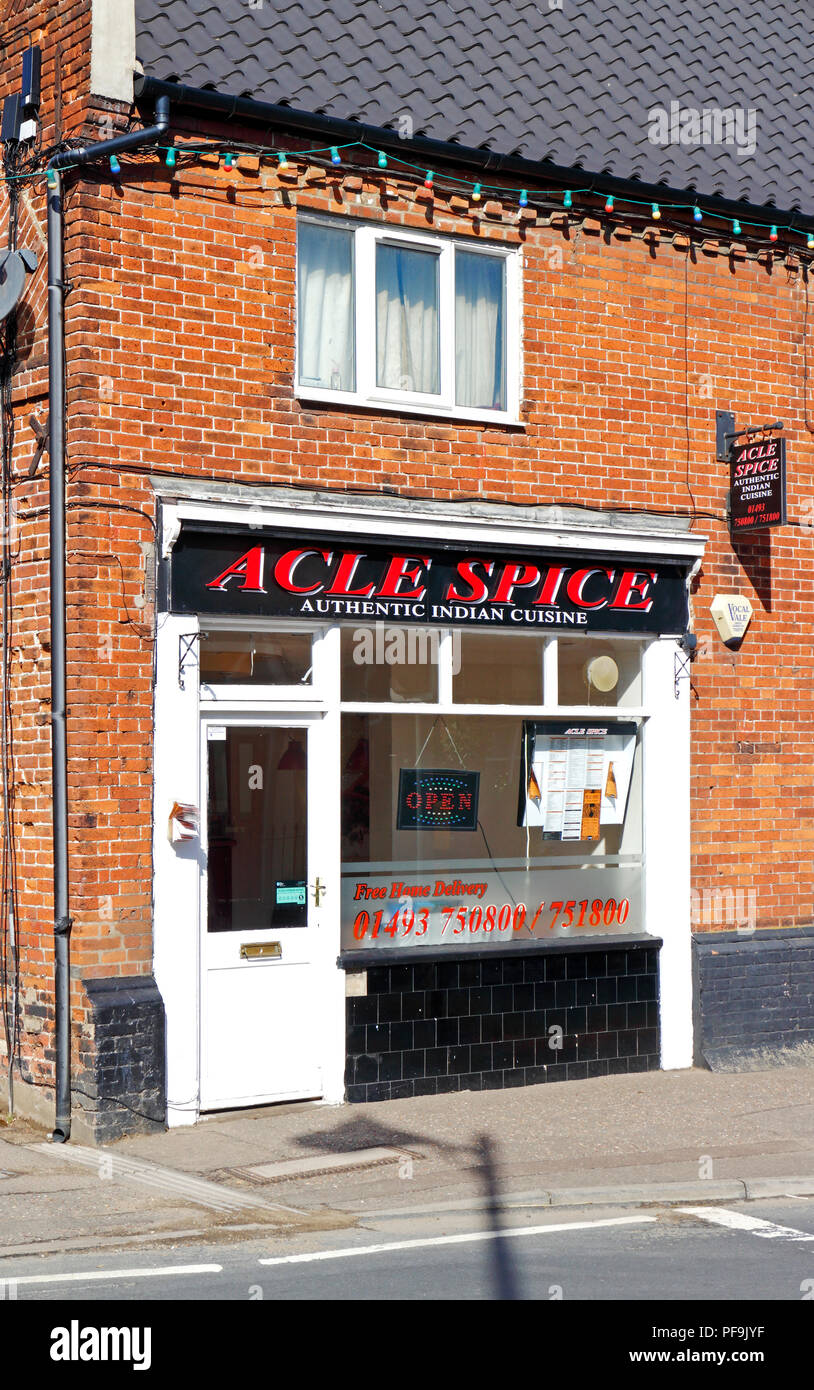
column 59, row 754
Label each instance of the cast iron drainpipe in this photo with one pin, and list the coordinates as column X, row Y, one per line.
column 56, row 444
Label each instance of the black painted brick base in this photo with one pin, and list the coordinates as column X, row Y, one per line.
column 754, row 998
column 470, row 1025
column 121, row 1087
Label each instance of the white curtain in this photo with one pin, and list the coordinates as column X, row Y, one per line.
column 325, row 260
column 407, row 356
column 480, row 356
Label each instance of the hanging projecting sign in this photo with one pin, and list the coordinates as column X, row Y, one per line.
column 758, row 485
column 437, row 799
column 289, row 575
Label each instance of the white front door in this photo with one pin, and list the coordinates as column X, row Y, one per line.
column 262, row 1004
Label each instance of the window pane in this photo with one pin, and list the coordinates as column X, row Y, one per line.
column 407, row 352
column 246, row 658
column 480, row 330
column 596, row 672
column 497, row 668
column 387, row 662
column 325, row 307
column 257, row 818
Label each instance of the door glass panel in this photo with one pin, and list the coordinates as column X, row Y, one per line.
column 255, row 658
column 257, row 829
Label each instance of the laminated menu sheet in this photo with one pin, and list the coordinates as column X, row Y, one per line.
column 575, row 777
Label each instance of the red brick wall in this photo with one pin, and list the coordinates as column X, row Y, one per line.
column 180, row 351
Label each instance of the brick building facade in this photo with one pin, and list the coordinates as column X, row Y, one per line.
column 184, row 410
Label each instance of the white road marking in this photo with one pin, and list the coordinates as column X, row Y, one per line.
column 738, row 1221
column 454, row 1240
column 81, row 1278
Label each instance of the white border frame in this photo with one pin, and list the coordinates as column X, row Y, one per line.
column 666, row 755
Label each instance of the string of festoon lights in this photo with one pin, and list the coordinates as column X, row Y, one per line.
column 477, row 193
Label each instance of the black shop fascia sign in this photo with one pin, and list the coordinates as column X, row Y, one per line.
column 231, row 572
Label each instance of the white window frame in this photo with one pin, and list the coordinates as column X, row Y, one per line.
column 366, row 237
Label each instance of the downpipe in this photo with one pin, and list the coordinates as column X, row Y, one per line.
column 67, row 159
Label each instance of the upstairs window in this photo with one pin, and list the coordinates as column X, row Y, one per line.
column 407, row 322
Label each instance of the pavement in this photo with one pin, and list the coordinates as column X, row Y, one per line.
column 661, row 1137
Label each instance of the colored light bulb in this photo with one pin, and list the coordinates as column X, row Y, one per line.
column 382, row 159
column 428, row 178
column 51, row 177
column 476, row 191
column 697, row 215
column 115, row 166
column 810, row 241
column 609, row 205
column 773, row 234
column 283, row 162
column 736, row 228
column 567, row 201
column 336, row 157
column 170, row 159
column 228, row 160
column 655, row 211
column 524, row 197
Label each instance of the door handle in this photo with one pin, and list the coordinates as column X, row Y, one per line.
column 318, row 889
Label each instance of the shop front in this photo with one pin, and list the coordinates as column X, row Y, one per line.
column 421, row 800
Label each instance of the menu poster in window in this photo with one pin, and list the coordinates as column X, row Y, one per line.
column 575, row 777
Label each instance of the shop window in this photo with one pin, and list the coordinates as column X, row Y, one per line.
column 595, row 672
column 255, row 658
column 503, row 668
column 384, row 662
column 404, row 320
column 484, row 829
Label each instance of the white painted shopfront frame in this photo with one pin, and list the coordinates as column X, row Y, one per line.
column 664, row 714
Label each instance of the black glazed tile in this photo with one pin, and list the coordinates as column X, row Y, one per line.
column 637, row 1015
column 390, row 1008
column 365, row 1069
column 525, row 1053
column 515, row 1077
column 576, row 1020
column 652, row 1013
column 545, row 995
column 566, row 993
column 513, row 1025
column 470, row 973
column 627, row 1042
column 364, row 1009
column 437, row 1061
column 503, row 1055
column 607, row 990
column 469, row 1029
column 425, row 975
column 654, row 1062
column 626, row 986
column 447, row 1031
column 606, row 1045
column 378, row 980
column 480, row 1001
column 637, row 1064
column 482, row 1057
column 513, row 970
column 492, row 972
column 596, row 1019
column 401, row 1036
column 555, row 967
column 535, row 1076
column 502, row 999
column 568, row 1051
column 445, row 1084
column 414, row 1005
column 617, row 1016
column 617, row 963
column 492, row 1081
column 586, row 991
column 425, row 1032
column 457, row 1003
column 586, row 1047
column 577, row 967
column 491, row 1027
column 646, row 987
column 437, row 1000
column 558, row 1073
column 523, row 998
column 534, row 969
column 617, row 1066
column 648, row 1041
column 390, row 1066
column 637, row 963
column 534, row 1026
column 448, row 974
column 378, row 1037
column 355, row 1040
column 577, row 1071
column 554, row 1018
column 355, row 1095
column 459, row 1060
column 598, row 1068
column 544, row 1056
column 381, row 1091
column 427, row 1086
column 401, row 977
column 412, row 1065
column 401, row 1090
column 473, row 1081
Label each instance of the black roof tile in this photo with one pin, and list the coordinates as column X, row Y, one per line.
column 573, row 86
